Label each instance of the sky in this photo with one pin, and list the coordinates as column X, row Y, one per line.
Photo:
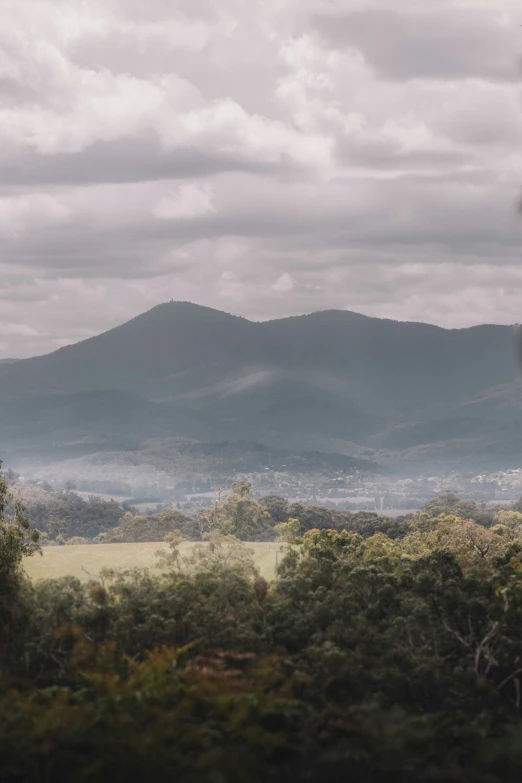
column 264, row 157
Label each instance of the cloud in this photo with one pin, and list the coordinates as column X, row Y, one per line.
column 284, row 283
column 31, row 212
column 18, row 330
column 412, row 42
column 268, row 158
column 190, row 201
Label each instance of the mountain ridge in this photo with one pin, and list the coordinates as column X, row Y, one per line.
column 318, row 380
column 185, row 307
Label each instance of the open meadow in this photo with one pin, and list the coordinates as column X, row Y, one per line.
column 85, row 560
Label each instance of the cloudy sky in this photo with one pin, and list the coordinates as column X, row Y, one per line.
column 265, row 157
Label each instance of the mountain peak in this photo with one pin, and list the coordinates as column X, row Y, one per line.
column 186, row 310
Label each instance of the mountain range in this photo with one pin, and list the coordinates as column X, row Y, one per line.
column 405, row 394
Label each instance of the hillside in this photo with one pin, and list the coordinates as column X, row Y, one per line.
column 68, row 425
column 162, row 352
column 153, row 466
column 336, row 381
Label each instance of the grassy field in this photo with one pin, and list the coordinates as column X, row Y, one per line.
column 86, row 559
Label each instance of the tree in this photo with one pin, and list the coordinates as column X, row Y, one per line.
column 312, row 517
column 74, row 515
column 171, row 559
column 208, row 520
column 288, row 532
column 517, row 505
column 472, row 544
column 244, row 517
column 441, row 503
column 135, row 528
column 450, row 503
column 222, row 552
column 367, row 524
column 379, row 545
column 276, row 506
column 510, row 519
column 17, row 541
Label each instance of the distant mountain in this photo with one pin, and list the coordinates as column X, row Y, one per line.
column 68, row 425
column 182, row 459
column 335, row 381
column 169, row 349
column 8, row 361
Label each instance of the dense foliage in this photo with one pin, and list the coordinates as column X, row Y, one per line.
column 17, row 541
column 65, row 517
column 371, row 657
column 138, row 528
column 62, row 515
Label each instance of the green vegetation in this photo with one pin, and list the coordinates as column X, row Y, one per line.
column 144, row 527
column 17, row 541
column 64, row 517
column 370, row 657
column 60, row 516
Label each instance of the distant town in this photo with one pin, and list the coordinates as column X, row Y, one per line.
column 357, row 491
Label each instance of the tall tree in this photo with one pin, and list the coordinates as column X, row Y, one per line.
column 17, row 540
column 241, row 515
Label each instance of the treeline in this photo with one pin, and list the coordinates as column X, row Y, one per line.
column 377, row 655
column 67, row 518
column 64, row 516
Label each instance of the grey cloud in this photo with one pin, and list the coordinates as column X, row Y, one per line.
column 13, row 93
column 385, row 156
column 124, row 161
column 230, row 76
column 158, row 9
column 466, row 219
column 428, row 44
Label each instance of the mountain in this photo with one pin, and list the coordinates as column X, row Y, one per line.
column 337, row 381
column 168, row 349
column 175, row 460
column 64, row 425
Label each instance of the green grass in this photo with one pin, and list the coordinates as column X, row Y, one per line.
column 86, row 559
